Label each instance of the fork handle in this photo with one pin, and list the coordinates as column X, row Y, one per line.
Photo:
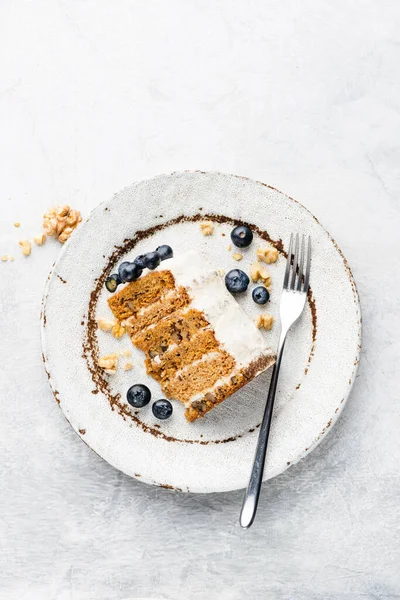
column 250, row 502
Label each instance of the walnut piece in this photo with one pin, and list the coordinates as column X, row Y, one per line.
column 265, row 321
column 109, row 363
column 40, row 239
column 199, row 405
column 207, row 228
column 106, row 324
column 267, row 255
column 118, row 330
column 128, row 366
column 60, row 221
column 126, row 352
column 260, row 273
column 237, row 256
column 26, row 247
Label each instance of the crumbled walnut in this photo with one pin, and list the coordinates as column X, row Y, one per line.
column 207, row 228
column 255, row 271
column 258, row 272
column 106, row 324
column 199, row 405
column 65, row 234
column 118, row 330
column 40, row 239
column 237, row 256
column 26, row 247
column 265, row 321
column 109, row 363
column 267, row 255
column 60, row 221
column 265, row 276
column 4, row 258
column 128, row 366
column 17, row 224
column 210, row 398
column 126, row 352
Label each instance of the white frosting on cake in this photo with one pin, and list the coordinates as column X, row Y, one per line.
column 233, row 328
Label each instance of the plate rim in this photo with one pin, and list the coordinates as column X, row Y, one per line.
column 350, row 275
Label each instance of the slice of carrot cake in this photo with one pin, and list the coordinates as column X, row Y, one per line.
column 198, row 342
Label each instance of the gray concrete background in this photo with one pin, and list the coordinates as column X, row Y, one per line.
column 304, row 96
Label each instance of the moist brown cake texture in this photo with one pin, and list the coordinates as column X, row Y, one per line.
column 181, row 350
column 135, row 296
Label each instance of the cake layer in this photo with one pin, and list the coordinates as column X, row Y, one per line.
column 225, row 387
column 199, row 376
column 180, row 325
column 145, row 317
column 164, row 366
column 141, row 293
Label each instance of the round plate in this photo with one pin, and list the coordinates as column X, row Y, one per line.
column 214, row 453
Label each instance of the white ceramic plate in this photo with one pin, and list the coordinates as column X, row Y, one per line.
column 214, row 453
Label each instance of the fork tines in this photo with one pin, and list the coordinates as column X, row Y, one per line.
column 303, row 279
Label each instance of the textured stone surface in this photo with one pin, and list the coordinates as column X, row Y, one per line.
column 304, row 96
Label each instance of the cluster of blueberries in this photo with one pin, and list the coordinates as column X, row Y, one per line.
column 139, row 395
column 130, row 271
column 236, row 280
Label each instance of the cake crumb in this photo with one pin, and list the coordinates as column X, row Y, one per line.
column 4, row 258
column 229, row 247
column 106, row 324
column 237, row 256
column 26, row 247
column 207, row 228
column 12, row 258
column 40, row 239
column 128, row 366
column 260, row 273
column 267, row 255
column 126, row 352
column 265, row 321
column 17, row 224
column 109, row 363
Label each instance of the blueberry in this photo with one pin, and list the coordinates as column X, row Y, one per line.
column 242, row 236
column 138, row 395
column 129, row 271
column 162, row 409
column 152, row 260
column 164, row 252
column 140, row 261
column 260, row 295
column 112, row 282
column 236, row 281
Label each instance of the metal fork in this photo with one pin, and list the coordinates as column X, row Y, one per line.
column 293, row 299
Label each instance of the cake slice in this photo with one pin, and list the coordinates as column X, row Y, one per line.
column 198, row 342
